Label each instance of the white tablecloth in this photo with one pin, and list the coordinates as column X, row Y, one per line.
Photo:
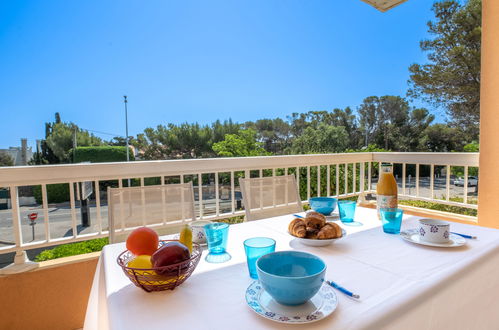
column 402, row 285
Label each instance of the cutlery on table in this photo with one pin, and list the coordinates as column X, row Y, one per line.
column 298, row 216
column 343, row 290
column 465, row 236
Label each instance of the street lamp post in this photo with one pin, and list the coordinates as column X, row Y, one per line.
column 126, row 129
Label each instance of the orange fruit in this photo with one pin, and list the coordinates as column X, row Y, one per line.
column 142, row 241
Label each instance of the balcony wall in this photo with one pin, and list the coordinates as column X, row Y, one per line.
column 52, row 297
column 488, row 210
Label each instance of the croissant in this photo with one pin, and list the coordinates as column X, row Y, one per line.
column 297, row 228
column 311, row 234
column 314, row 221
column 329, row 230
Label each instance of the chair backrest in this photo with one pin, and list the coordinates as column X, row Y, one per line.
column 270, row 196
column 164, row 208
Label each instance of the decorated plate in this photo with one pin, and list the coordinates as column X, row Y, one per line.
column 319, row 307
column 412, row 235
column 320, row 242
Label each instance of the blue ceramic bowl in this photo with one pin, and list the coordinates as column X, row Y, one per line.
column 323, row 205
column 291, row 277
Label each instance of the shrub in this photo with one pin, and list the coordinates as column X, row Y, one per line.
column 72, row 249
column 100, row 154
column 440, row 207
column 56, row 193
column 232, row 220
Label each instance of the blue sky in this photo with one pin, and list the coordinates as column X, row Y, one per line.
column 196, row 61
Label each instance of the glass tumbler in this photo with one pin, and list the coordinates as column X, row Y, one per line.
column 216, row 236
column 391, row 219
column 347, row 210
column 255, row 248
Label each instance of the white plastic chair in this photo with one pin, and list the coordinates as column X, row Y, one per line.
column 164, row 208
column 270, row 196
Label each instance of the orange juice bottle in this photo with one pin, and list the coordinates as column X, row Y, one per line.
column 386, row 190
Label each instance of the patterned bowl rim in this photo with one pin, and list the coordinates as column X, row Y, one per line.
column 433, row 222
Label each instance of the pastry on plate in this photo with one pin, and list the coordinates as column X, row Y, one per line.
column 314, row 221
column 329, row 230
column 297, row 228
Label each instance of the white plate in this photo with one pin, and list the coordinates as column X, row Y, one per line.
column 412, row 235
column 320, row 242
column 319, row 307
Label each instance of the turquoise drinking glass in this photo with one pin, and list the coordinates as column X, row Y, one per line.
column 391, row 219
column 216, row 236
column 347, row 210
column 255, row 248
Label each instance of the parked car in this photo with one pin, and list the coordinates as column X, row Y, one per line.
column 472, row 181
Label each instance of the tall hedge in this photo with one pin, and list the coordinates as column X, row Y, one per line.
column 56, row 193
column 101, row 154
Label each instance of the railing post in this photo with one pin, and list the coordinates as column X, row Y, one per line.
column 318, row 181
column 369, row 174
column 403, row 179
column 328, row 178
column 232, row 192
column 21, row 262
column 362, row 176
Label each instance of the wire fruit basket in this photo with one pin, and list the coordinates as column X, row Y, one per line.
column 160, row 278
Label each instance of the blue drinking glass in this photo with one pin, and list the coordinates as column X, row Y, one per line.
column 391, row 219
column 347, row 210
column 216, row 236
column 255, row 248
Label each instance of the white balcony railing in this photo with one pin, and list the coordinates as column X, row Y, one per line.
column 422, row 176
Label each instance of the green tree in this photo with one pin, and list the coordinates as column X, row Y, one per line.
column 472, row 147
column 275, row 134
column 175, row 141
column 414, row 132
column 323, row 139
column 452, row 75
column 6, row 160
column 346, row 118
column 219, row 130
column 242, row 144
column 61, row 139
column 45, row 155
column 369, row 118
column 120, row 141
column 441, row 138
column 394, row 113
column 385, row 120
column 298, row 123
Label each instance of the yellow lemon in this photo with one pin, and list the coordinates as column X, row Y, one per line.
column 186, row 237
column 145, row 277
column 142, row 261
